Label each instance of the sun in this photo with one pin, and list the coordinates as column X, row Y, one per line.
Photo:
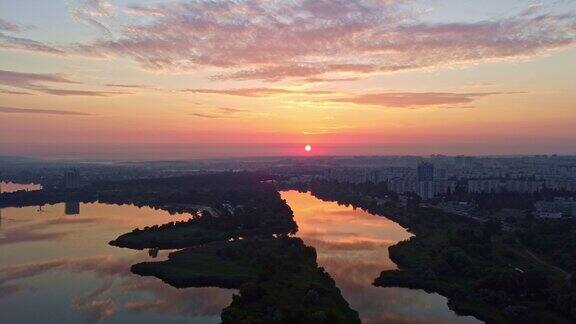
column 308, row 148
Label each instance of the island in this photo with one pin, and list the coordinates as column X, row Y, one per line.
column 237, row 237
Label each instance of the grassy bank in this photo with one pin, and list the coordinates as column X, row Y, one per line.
column 483, row 271
column 279, row 280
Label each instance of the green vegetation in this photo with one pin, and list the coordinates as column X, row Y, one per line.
column 484, row 271
column 279, row 280
column 223, row 205
column 236, row 238
column 553, row 238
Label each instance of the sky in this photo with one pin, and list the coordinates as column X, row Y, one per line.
column 270, row 76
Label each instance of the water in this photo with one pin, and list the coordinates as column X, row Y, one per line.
column 12, row 187
column 56, row 267
column 352, row 246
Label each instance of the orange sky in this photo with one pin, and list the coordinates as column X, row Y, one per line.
column 449, row 76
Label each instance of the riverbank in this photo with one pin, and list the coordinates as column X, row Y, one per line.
column 278, row 278
column 482, row 271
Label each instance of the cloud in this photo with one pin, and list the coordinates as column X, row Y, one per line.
column 415, row 99
column 11, row 110
column 324, row 80
column 257, row 92
column 209, row 116
column 130, row 86
column 96, row 7
column 10, row 92
column 9, row 26
column 143, row 11
column 36, row 82
column 91, row 11
column 276, row 39
column 9, row 42
column 27, row 45
column 274, row 73
column 31, row 81
column 230, row 110
column 218, row 113
column 89, row 93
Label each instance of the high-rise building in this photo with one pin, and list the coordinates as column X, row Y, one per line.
column 72, row 179
column 425, row 171
column 425, row 180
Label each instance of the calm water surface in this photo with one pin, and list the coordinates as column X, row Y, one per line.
column 12, row 187
column 352, row 246
column 56, row 267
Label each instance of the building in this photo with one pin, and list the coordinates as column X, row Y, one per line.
column 564, row 206
column 425, row 175
column 72, row 179
column 509, row 185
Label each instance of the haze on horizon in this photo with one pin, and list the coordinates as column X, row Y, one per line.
column 235, row 78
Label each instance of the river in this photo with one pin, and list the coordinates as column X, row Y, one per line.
column 352, row 246
column 56, row 266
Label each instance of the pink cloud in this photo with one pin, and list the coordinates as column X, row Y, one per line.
column 274, row 40
column 37, row 82
column 257, row 92
column 414, row 99
column 12, row 110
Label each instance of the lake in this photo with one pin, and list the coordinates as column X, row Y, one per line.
column 56, row 267
column 12, row 187
column 56, row 261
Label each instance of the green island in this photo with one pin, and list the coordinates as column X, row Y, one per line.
column 498, row 266
column 237, row 238
column 278, row 278
column 483, row 270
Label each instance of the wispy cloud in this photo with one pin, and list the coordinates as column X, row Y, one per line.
column 415, row 99
column 324, row 80
column 129, row 86
column 88, row 93
column 10, row 26
column 257, row 92
column 91, row 11
column 27, row 45
column 219, row 113
column 101, row 8
column 230, row 110
column 37, row 81
column 208, row 116
column 277, row 39
column 11, row 92
column 12, row 110
column 16, row 43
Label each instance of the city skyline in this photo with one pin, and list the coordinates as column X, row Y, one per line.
column 87, row 78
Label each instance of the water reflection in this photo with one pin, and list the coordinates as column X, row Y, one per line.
column 13, row 187
column 64, row 269
column 352, row 246
column 72, row 208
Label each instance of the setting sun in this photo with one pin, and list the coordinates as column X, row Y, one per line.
column 308, row 148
